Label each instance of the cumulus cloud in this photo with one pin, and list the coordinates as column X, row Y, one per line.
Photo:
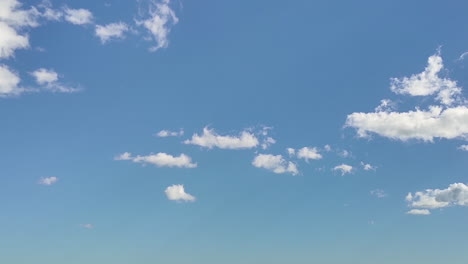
column 9, row 81
column 210, row 139
column 436, row 122
column 275, row 163
column 78, row 16
column 48, row 180
column 308, row 153
column 343, row 168
column 111, row 31
column 177, row 192
column 159, row 23
column 379, row 193
column 168, row 133
column 419, row 212
column 455, row 194
column 10, row 40
column 445, row 121
column 48, row 80
column 160, row 160
column 428, row 82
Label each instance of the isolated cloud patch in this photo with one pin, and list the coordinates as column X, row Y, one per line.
column 306, row 153
column 161, row 19
column 111, row 31
column 78, row 16
column 419, row 212
column 169, row 133
column 48, row 180
column 177, row 192
column 210, row 139
column 160, row 160
column 343, row 168
column 275, row 163
column 48, row 80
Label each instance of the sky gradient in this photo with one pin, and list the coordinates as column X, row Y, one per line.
column 207, row 132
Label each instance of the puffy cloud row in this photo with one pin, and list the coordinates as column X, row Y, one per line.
column 446, row 121
column 210, row 139
column 455, row 194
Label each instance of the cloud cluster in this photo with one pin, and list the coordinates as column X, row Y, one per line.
column 210, row 139
column 177, row 192
column 446, row 121
column 455, row 194
column 306, row 153
column 160, row 160
column 275, row 163
column 111, row 31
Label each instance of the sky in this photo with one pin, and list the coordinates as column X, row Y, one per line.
column 176, row 131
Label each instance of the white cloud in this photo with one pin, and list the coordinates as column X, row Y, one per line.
column 12, row 14
column 463, row 147
column 10, row 40
column 78, row 16
column 435, row 122
column 344, row 153
column 378, row 193
column 9, row 82
column 177, row 192
column 111, row 31
column 48, row 181
column 210, row 139
column 367, row 166
column 44, row 76
column 277, row 164
column 428, row 82
column 160, row 21
column 307, row 153
column 168, row 133
column 87, row 226
column 160, row 160
column 48, row 80
column 327, row 148
column 419, row 212
column 291, row 152
column 343, row 168
column 455, row 194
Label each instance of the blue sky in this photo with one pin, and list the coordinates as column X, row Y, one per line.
column 164, row 131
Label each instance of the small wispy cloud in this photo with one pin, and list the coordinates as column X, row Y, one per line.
column 47, row 181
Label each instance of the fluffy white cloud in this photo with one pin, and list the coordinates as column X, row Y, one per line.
column 10, row 40
column 210, row 139
column 428, row 82
column 419, row 212
column 168, row 133
column 12, row 14
column 160, row 21
column 378, row 193
column 160, row 160
column 463, row 147
column 343, row 168
column 455, row 194
column 436, row 122
column 9, row 82
column 111, row 31
column 78, row 16
column 48, row 80
column 48, row 180
column 275, row 163
column 177, row 192
column 307, row 154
